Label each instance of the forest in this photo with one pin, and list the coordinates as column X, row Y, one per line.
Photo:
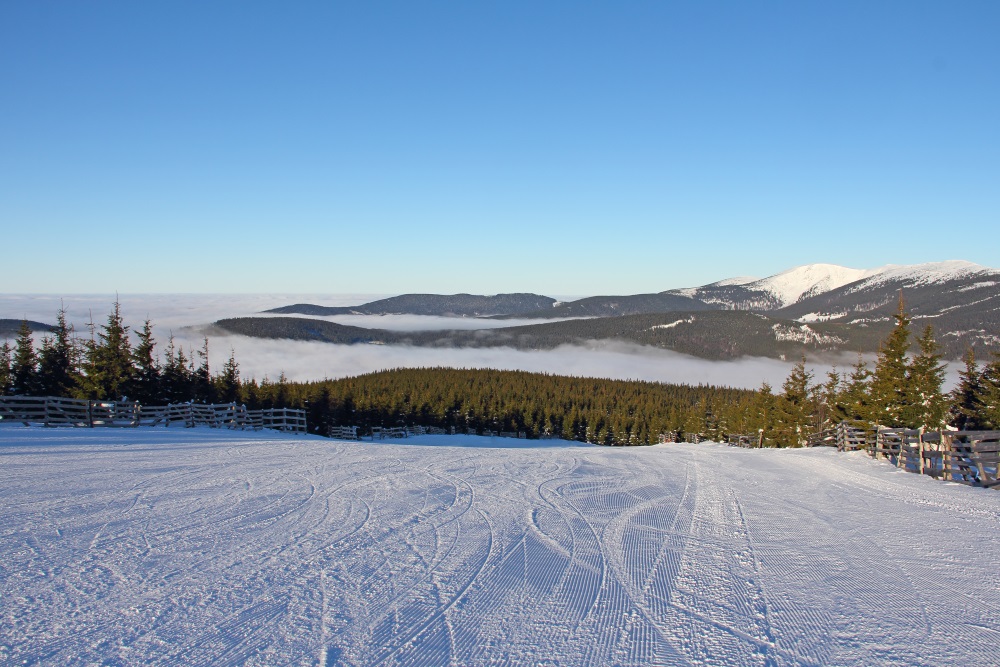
column 903, row 388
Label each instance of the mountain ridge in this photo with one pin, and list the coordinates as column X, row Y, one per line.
column 959, row 298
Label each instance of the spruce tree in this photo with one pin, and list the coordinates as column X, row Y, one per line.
column 794, row 407
column 24, row 365
column 854, row 403
column 929, row 404
column 57, row 362
column 175, row 378
column 765, row 414
column 111, row 358
column 966, row 413
column 990, row 394
column 145, row 386
column 891, row 390
column 202, row 376
column 227, row 385
column 828, row 400
column 6, row 353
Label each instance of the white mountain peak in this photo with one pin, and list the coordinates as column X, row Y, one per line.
column 930, row 272
column 803, row 281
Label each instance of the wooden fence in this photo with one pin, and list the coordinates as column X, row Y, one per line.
column 56, row 411
column 843, row 436
column 968, row 457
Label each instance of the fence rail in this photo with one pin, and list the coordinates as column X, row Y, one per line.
column 57, row 411
column 967, row 457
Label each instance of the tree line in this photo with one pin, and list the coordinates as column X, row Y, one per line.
column 903, row 388
column 109, row 365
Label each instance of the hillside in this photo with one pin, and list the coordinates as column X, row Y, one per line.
column 10, row 327
column 453, row 305
column 807, row 308
column 706, row 334
column 613, row 306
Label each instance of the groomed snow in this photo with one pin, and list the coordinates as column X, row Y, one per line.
column 196, row 547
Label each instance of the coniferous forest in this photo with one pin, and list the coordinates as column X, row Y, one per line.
column 902, row 389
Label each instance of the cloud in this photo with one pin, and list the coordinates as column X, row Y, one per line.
column 423, row 322
column 305, row 360
column 301, row 360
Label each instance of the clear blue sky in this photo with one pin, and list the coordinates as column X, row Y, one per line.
column 554, row 147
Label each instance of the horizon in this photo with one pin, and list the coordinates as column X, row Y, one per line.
column 556, row 149
column 374, row 296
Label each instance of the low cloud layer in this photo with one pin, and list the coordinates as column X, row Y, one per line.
column 301, row 360
column 423, row 322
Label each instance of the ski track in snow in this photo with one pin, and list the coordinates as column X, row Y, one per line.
column 204, row 548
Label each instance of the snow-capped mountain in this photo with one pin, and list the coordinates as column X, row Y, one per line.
column 816, row 306
column 773, row 292
column 958, row 296
column 784, row 290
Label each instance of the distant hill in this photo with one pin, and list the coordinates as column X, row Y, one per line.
column 9, row 328
column 612, row 306
column 708, row 334
column 453, row 305
column 817, row 306
column 300, row 328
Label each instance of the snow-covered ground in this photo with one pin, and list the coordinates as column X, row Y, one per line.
column 196, row 547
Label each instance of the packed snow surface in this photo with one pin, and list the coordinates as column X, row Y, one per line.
column 200, row 547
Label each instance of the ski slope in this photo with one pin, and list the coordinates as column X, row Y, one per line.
column 200, row 547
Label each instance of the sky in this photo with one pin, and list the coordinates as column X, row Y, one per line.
column 563, row 148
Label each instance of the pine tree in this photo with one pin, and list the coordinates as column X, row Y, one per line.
column 175, row 380
column 794, row 407
column 926, row 380
column 111, row 358
column 24, row 365
column 765, row 415
column 202, row 376
column 891, row 390
column 227, row 385
column 145, row 385
column 827, row 400
column 966, row 413
column 6, row 353
column 854, row 404
column 57, row 363
column 990, row 396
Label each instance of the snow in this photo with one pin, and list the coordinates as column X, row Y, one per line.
column 671, row 325
column 804, row 334
column 798, row 283
column 163, row 546
column 821, row 317
column 930, row 272
column 795, row 284
column 738, row 280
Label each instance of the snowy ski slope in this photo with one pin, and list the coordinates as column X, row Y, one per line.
column 196, row 547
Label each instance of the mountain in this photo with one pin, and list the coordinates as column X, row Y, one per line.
column 613, row 306
column 961, row 300
column 453, row 305
column 806, row 308
column 775, row 291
